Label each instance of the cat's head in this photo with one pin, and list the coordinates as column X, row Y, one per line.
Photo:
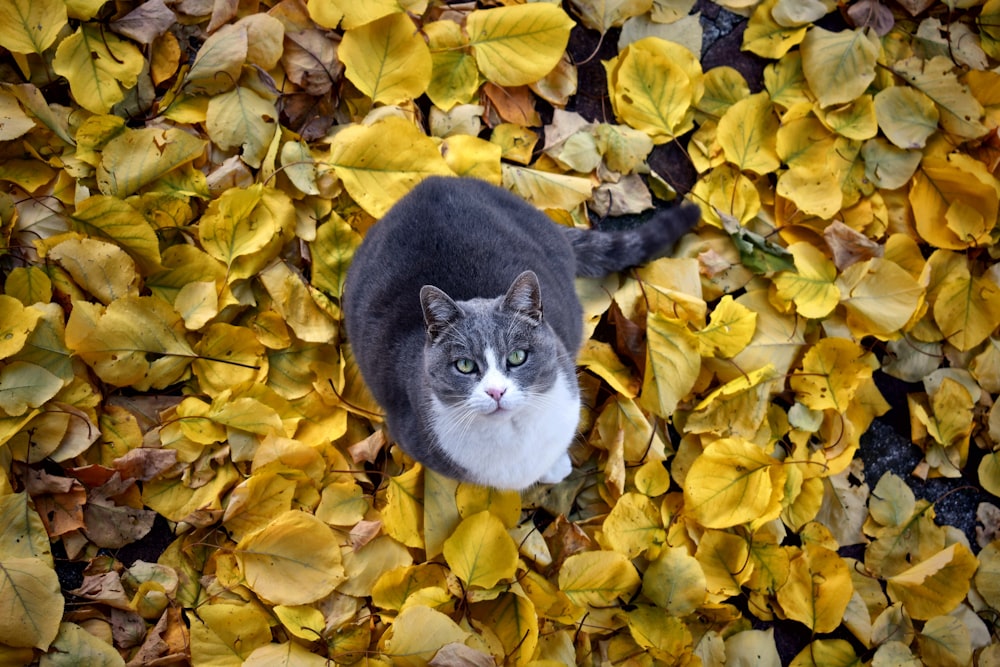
column 490, row 356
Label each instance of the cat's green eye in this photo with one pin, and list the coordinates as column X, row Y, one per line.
column 517, row 357
column 465, row 366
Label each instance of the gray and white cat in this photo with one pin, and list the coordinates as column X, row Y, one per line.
column 461, row 310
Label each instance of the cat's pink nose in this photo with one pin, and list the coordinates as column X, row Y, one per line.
column 496, row 393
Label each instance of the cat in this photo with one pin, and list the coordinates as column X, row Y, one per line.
column 462, row 314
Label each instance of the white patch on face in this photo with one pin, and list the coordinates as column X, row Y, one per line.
column 496, row 392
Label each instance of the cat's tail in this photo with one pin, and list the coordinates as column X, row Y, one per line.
column 599, row 253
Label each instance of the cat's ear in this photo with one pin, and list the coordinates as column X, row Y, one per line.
column 439, row 310
column 525, row 297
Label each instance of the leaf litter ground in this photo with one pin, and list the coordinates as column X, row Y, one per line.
column 184, row 188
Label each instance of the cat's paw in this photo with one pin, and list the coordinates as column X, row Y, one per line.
column 559, row 471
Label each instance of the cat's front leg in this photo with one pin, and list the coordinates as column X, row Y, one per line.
column 559, row 471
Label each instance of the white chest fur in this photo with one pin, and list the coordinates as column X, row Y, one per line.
column 512, row 449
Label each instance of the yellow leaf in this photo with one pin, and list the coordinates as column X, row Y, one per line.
column 737, row 407
column 675, row 582
column 417, row 634
column 652, row 90
column 839, row 66
column 85, row 648
column 297, row 304
column 730, row 328
column 960, row 112
column 519, row 44
column 332, row 251
column 725, row 190
column 228, row 356
column 988, row 575
column 724, row 86
column 480, row 552
column 99, row 66
column 856, row 120
column 410, row 586
column 747, row 134
column 474, row 157
column 242, row 118
column 672, row 364
column 892, row 502
column 880, row 297
column 515, row 621
column 31, row 603
column 665, row 638
column 441, row 515
column 254, row 502
column 934, row 586
column 285, row 654
column 109, row 218
column 380, row 163
column 945, row 641
column 906, row 116
column 24, row 386
column 31, row 27
column 811, row 287
column 601, row 15
column 814, row 189
column 223, row 635
column 887, row 166
column 733, row 482
column 137, row 158
column 832, row 372
column 364, row 566
column 634, row 525
column 220, row 59
column 967, row 309
column 989, row 473
column 725, row 560
column 301, row 621
column 503, row 504
column 356, row 13
column 454, row 75
column 342, row 504
column 295, row 559
column 176, row 501
column 387, row 59
column 118, row 342
column 960, row 192
column 639, row 439
column 765, row 37
column 22, row 531
column 600, row 358
column 16, row 322
column 817, row 590
column 102, row 269
column 598, row 578
column 245, row 228
column 827, row 653
column 402, row 515
column 546, row 189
